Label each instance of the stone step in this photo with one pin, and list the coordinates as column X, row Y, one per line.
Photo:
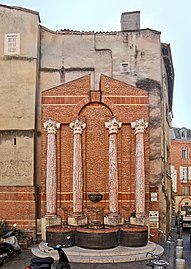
column 115, row 255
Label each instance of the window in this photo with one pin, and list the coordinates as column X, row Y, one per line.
column 185, row 190
column 183, row 134
column 183, row 173
column 125, row 67
column 184, row 153
column 12, row 44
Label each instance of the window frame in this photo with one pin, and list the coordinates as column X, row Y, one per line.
column 12, row 44
column 186, row 190
column 184, row 153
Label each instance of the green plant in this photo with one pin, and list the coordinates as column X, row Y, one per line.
column 5, row 229
column 20, row 235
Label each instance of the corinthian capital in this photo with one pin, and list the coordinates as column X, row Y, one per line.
column 113, row 125
column 139, row 126
column 77, row 126
column 51, row 126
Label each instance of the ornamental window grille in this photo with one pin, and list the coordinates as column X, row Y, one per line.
column 12, row 44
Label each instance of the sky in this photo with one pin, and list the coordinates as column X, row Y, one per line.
column 171, row 17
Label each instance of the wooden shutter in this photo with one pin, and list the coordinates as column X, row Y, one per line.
column 189, row 172
column 181, row 172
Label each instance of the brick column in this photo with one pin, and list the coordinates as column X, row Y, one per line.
column 77, row 218
column 51, row 219
column 113, row 218
column 139, row 126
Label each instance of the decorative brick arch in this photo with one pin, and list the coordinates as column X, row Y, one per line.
column 184, row 198
column 86, row 101
column 109, row 104
column 80, row 105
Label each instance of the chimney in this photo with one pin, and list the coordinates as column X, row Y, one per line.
column 130, row 21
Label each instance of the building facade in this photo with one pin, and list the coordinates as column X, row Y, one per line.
column 62, row 91
column 181, row 167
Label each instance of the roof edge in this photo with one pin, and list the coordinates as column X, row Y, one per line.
column 78, row 32
column 22, row 9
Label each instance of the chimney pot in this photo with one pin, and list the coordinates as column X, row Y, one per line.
column 130, row 21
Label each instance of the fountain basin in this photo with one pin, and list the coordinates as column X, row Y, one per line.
column 133, row 235
column 58, row 235
column 103, row 238
column 97, row 238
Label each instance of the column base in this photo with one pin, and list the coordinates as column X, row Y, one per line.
column 113, row 219
column 77, row 220
column 138, row 220
column 49, row 221
column 133, row 220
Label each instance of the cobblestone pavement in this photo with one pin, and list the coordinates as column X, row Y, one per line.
column 169, row 255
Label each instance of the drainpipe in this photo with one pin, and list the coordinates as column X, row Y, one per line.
column 36, row 127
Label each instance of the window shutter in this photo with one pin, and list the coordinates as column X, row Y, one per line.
column 181, row 172
column 185, row 173
column 174, row 181
column 189, row 172
column 172, row 168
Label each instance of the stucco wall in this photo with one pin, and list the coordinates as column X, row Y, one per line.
column 16, row 158
column 18, row 72
column 18, row 88
column 82, row 53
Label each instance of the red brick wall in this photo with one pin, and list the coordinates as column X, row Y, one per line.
column 18, row 206
column 115, row 99
column 177, row 160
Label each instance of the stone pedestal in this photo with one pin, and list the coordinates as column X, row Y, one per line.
column 180, row 242
column 179, row 252
column 180, row 264
column 133, row 220
column 49, row 221
column 113, row 220
column 77, row 220
column 138, row 221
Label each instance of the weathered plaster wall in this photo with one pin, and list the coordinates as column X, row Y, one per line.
column 18, row 72
column 16, row 158
column 73, row 54
column 18, row 86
